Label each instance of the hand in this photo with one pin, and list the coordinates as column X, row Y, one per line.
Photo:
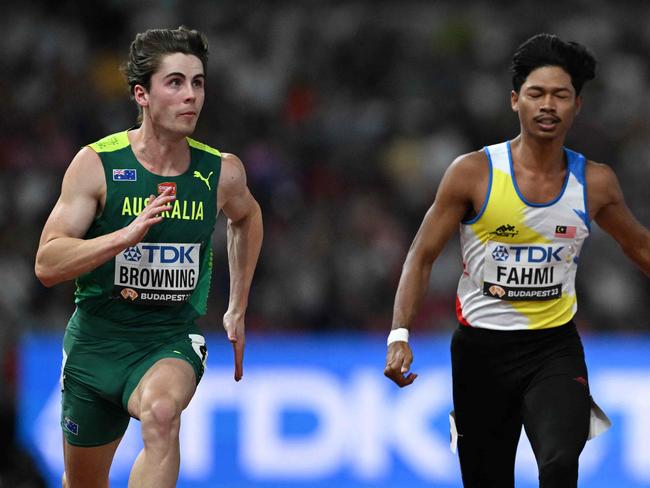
column 150, row 215
column 398, row 362
column 234, row 325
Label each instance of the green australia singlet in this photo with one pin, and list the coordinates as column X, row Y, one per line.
column 164, row 280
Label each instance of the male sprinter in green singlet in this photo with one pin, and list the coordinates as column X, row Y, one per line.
column 133, row 225
column 524, row 208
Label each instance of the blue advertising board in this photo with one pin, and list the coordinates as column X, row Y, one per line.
column 317, row 412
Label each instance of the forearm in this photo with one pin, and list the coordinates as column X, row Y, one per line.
column 412, row 288
column 66, row 258
column 244, row 244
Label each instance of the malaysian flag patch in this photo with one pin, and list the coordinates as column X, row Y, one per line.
column 124, row 175
column 565, row 231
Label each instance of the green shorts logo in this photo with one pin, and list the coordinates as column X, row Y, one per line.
column 70, row 426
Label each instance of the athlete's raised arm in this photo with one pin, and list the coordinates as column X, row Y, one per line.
column 245, row 234
column 609, row 210
column 460, row 193
column 62, row 253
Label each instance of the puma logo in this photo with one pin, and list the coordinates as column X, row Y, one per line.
column 197, row 174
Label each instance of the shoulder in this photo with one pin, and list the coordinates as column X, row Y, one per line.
column 471, row 162
column 232, row 165
column 598, row 173
column 233, row 174
column 233, row 195
column 86, row 160
column 600, row 178
column 469, row 168
column 85, row 172
column 602, row 186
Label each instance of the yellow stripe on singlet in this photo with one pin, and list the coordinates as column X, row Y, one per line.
column 111, row 143
column 202, row 147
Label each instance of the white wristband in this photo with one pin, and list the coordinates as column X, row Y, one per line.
column 401, row 334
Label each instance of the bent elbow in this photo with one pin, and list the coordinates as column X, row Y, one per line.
column 45, row 275
column 44, row 278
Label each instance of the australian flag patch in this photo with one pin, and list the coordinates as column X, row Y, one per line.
column 124, row 175
column 70, row 425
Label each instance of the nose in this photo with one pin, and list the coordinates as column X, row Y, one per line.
column 190, row 92
column 548, row 103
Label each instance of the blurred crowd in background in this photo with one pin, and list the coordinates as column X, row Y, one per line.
column 346, row 114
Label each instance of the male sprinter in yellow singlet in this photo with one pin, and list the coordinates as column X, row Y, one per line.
column 524, row 208
column 133, row 226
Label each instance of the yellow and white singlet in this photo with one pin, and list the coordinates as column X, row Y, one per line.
column 520, row 258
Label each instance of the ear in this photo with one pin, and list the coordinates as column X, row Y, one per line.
column 141, row 95
column 578, row 104
column 514, row 101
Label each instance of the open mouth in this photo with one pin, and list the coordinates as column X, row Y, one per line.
column 547, row 122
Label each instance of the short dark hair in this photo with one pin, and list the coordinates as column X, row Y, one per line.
column 549, row 50
column 148, row 48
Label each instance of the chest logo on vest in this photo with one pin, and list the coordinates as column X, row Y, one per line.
column 565, row 231
column 167, row 184
column 132, row 254
column 505, row 230
column 157, row 273
column 125, row 175
column 129, row 293
column 500, row 253
column 526, row 272
column 181, row 209
column 206, row 180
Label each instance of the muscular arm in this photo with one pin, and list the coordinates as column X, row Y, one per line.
column 462, row 188
column 62, row 253
column 244, row 235
column 244, row 231
column 607, row 207
column 456, row 193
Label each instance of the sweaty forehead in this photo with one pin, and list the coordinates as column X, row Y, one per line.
column 549, row 76
column 187, row 64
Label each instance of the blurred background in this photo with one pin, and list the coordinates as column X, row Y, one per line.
column 346, row 114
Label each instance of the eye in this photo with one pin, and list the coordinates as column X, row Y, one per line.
column 175, row 82
column 198, row 83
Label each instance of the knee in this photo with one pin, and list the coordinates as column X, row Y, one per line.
column 560, row 468
column 160, row 419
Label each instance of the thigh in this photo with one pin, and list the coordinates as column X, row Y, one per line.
column 556, row 409
column 103, row 365
column 487, row 446
column 88, row 419
column 172, row 378
column 488, row 420
column 188, row 347
column 88, row 467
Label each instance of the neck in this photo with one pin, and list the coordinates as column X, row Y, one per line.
column 539, row 154
column 161, row 153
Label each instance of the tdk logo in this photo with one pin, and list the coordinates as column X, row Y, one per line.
column 132, row 254
column 500, row 253
column 167, row 254
column 527, row 254
column 536, row 254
